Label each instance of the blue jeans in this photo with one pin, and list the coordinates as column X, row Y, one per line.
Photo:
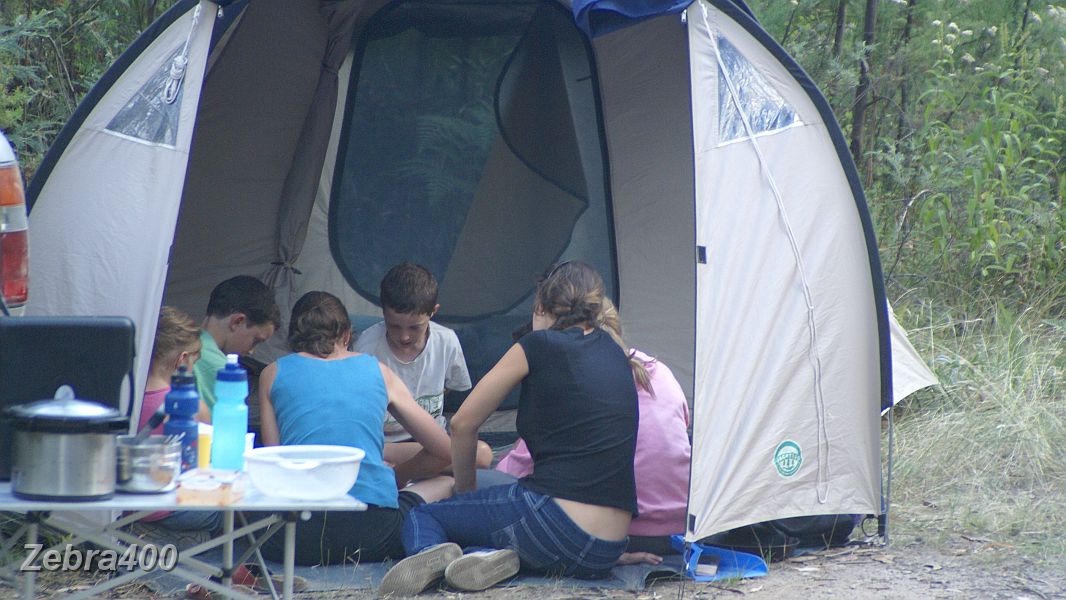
column 510, row 516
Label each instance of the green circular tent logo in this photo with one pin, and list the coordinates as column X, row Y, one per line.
column 788, row 458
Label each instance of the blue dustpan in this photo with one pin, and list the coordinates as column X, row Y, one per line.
column 731, row 564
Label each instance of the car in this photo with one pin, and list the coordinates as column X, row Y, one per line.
column 14, row 234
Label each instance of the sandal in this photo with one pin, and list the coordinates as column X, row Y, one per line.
column 299, row 584
column 243, row 580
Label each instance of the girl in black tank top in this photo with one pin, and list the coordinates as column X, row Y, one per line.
column 578, row 415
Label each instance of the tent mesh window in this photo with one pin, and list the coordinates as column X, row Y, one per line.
column 766, row 110
column 147, row 115
column 472, row 146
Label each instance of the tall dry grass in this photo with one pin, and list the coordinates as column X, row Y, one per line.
column 985, row 455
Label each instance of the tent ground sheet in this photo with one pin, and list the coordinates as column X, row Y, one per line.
column 367, row 576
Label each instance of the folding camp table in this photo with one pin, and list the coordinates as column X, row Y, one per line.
column 272, row 514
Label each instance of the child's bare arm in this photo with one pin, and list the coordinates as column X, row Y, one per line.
column 268, row 421
column 435, row 454
column 482, row 402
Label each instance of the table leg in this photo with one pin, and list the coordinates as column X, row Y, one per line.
column 227, row 548
column 29, row 580
column 290, row 558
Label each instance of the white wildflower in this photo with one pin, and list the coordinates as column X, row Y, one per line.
column 991, row 31
column 952, row 27
column 978, row 70
column 966, row 32
column 936, row 23
column 936, row 42
column 949, row 50
column 1035, row 17
column 967, row 58
column 950, row 37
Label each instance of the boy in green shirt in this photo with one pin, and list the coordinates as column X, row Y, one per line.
column 241, row 314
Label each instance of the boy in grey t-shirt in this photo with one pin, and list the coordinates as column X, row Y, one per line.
column 426, row 356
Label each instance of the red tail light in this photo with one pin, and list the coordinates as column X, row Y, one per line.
column 15, row 269
column 14, row 243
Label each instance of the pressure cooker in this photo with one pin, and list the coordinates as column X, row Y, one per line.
column 64, row 448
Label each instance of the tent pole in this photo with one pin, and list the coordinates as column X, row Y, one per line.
column 882, row 519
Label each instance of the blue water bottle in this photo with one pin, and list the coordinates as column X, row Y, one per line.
column 230, row 416
column 181, row 404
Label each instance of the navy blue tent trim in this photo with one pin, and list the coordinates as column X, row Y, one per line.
column 744, row 7
column 101, row 88
column 597, row 17
column 743, row 17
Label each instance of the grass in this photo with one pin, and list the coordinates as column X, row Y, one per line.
column 985, row 456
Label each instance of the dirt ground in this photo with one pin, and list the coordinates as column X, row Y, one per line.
column 963, row 568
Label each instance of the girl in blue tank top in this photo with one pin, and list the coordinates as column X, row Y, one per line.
column 325, row 394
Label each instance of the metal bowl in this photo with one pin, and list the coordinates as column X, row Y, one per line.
column 149, row 466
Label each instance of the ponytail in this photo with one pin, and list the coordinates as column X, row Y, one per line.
column 610, row 322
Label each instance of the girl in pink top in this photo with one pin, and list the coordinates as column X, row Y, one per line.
column 661, row 465
column 177, row 342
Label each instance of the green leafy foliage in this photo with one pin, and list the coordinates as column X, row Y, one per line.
column 963, row 162
column 51, row 54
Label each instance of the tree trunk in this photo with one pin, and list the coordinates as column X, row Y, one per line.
column 1025, row 16
column 862, row 91
column 838, row 27
column 788, row 26
column 904, row 84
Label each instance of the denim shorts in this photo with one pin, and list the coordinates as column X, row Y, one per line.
column 511, row 516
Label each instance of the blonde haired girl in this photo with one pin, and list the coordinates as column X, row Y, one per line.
column 177, row 342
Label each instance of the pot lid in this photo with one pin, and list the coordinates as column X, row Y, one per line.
column 64, row 407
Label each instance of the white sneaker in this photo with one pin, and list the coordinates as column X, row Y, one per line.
column 481, row 570
column 415, row 573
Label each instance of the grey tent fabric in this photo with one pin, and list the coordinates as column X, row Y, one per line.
column 298, row 192
column 647, row 111
column 252, row 110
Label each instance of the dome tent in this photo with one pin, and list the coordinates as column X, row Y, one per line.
column 681, row 152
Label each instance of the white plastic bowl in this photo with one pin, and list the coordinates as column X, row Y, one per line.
column 304, row 472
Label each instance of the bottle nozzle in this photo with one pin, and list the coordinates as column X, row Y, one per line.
column 182, row 376
column 232, row 370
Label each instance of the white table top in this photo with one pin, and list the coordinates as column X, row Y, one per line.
column 252, row 500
